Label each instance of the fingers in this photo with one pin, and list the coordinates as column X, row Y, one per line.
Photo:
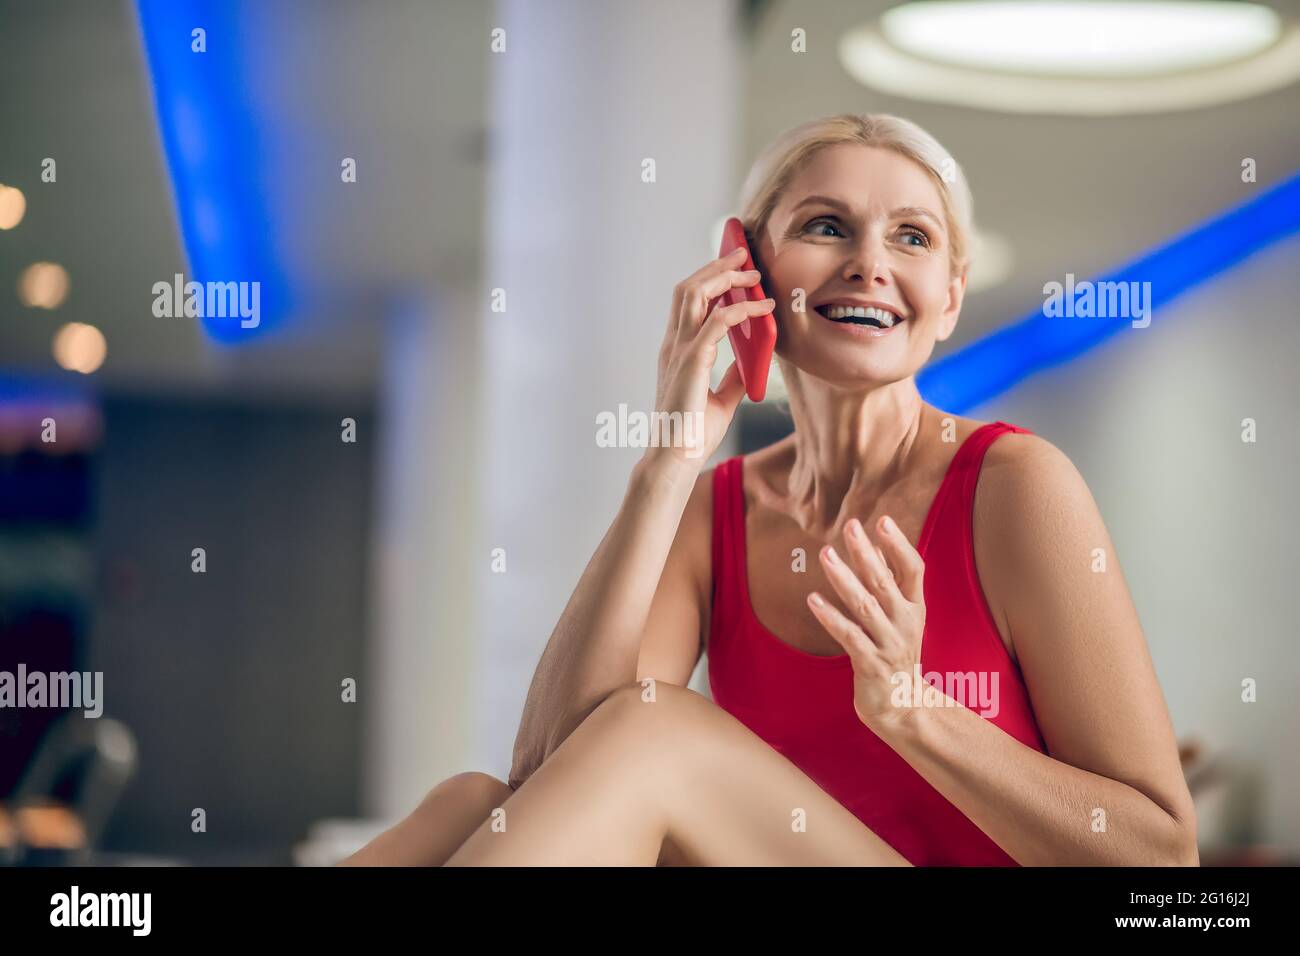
column 863, row 606
column 733, row 260
column 700, row 304
column 846, row 633
column 712, row 289
column 696, row 295
column 724, row 317
column 868, row 562
column 731, row 389
column 908, row 565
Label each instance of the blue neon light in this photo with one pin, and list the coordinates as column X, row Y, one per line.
column 995, row 363
column 214, row 153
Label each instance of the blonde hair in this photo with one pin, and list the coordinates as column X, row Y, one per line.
column 777, row 164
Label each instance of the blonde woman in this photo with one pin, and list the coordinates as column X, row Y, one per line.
column 943, row 681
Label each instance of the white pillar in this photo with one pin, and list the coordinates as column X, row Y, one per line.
column 416, row 692
column 587, row 254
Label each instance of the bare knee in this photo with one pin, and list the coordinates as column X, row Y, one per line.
column 655, row 730
column 650, row 705
column 651, row 691
column 471, row 787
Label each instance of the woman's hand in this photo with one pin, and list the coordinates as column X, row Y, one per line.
column 883, row 631
column 689, row 350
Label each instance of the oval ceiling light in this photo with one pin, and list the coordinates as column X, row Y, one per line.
column 1099, row 58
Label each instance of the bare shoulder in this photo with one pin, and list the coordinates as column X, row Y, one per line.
column 1022, row 452
column 676, row 626
column 699, row 507
column 1034, row 520
column 1027, row 473
column 693, row 545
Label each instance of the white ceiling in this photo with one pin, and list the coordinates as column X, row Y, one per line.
column 1070, row 194
column 403, row 94
column 407, row 95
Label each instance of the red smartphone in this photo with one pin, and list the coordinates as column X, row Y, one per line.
column 753, row 340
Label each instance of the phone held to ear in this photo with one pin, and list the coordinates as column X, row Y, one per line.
column 753, row 340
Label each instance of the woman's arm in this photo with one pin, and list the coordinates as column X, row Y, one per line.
column 595, row 645
column 1112, row 790
column 678, row 623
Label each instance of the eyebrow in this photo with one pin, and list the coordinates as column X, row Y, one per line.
column 902, row 212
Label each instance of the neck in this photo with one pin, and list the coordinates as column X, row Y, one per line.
column 849, row 448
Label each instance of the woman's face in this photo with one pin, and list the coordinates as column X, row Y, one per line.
column 859, row 225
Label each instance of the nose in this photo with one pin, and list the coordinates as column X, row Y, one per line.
column 866, row 263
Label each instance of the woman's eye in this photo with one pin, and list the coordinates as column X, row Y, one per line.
column 912, row 232
column 822, row 223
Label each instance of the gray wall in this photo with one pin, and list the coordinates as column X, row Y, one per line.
column 231, row 678
column 1205, row 525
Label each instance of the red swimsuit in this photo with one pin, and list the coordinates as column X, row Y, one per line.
column 802, row 704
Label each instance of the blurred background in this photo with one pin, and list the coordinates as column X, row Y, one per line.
column 316, row 548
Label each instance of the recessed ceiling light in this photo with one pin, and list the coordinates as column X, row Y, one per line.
column 12, row 206
column 1064, row 56
column 43, row 285
column 79, row 347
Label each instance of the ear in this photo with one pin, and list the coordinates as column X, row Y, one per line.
column 956, row 293
column 756, row 253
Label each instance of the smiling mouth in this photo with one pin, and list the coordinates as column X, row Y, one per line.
column 868, row 315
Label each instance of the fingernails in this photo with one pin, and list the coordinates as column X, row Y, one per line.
column 888, row 524
column 855, row 529
column 831, row 556
column 816, row 599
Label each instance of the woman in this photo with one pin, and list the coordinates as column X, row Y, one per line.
column 957, row 676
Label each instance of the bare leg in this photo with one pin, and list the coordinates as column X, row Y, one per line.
column 637, row 777
column 445, row 817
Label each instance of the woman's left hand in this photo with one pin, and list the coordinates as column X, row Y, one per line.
column 882, row 632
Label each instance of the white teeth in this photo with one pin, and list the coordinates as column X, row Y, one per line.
column 884, row 317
